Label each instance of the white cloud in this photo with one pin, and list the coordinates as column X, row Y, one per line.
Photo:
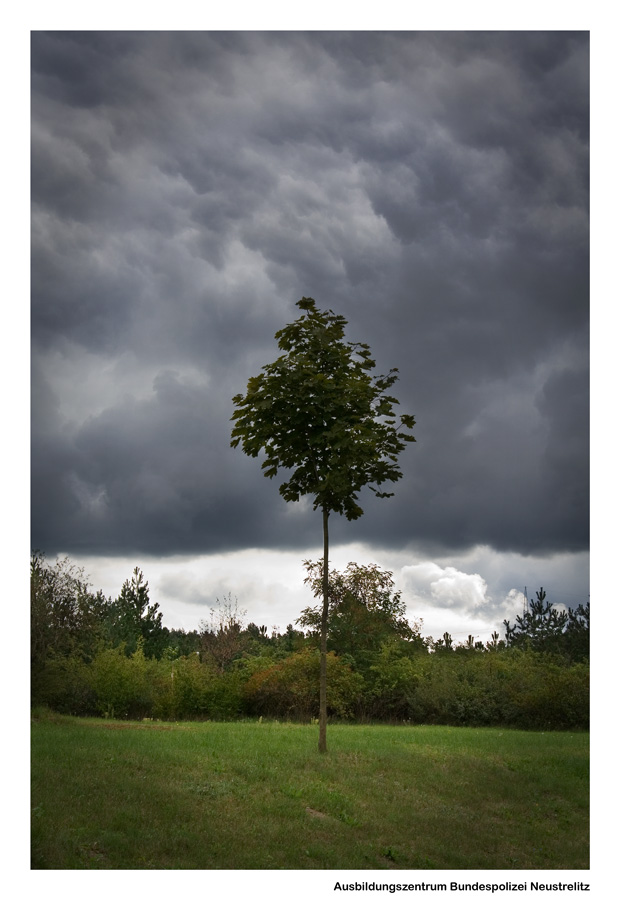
column 446, row 587
column 468, row 594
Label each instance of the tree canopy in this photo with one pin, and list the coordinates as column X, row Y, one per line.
column 364, row 610
column 133, row 618
column 317, row 410
column 547, row 628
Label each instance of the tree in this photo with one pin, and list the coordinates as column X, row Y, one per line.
column 444, row 644
column 495, row 644
column 545, row 628
column 182, row 643
column 65, row 616
column 319, row 413
column 577, row 634
column 364, row 611
column 540, row 626
column 222, row 638
column 132, row 617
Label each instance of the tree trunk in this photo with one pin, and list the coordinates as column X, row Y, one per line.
column 323, row 673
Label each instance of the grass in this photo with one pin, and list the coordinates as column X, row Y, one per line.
column 119, row 795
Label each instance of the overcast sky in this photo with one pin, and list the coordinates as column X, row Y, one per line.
column 189, row 188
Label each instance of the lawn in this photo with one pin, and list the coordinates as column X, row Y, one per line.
column 250, row 795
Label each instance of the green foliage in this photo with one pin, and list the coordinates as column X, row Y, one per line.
column 317, row 411
column 65, row 615
column 182, row 687
column 132, row 619
column 182, row 643
column 287, row 642
column 516, row 688
column 123, row 685
column 66, row 685
column 546, row 628
column 319, row 414
column 391, row 683
column 290, row 687
column 187, row 688
column 364, row 611
column 66, row 620
column 227, row 697
column 495, row 644
column 547, row 694
column 379, row 667
column 222, row 638
column 520, row 688
column 444, row 645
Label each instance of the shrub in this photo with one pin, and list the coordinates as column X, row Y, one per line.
column 545, row 693
column 390, row 685
column 123, row 684
column 290, row 687
column 181, row 689
column 64, row 685
column 187, row 688
column 516, row 687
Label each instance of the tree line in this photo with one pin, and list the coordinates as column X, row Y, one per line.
column 92, row 655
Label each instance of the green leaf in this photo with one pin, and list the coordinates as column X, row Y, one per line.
column 317, row 411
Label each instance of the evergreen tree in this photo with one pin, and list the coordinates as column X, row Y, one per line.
column 133, row 619
column 545, row 628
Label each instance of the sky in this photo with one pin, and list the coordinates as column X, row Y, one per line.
column 188, row 188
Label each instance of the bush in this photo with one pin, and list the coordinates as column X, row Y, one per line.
column 516, row 687
column 123, row 685
column 391, row 685
column 544, row 693
column 187, row 688
column 290, row 687
column 520, row 688
column 64, row 685
column 181, row 689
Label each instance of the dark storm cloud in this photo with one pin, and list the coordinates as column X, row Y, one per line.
column 188, row 188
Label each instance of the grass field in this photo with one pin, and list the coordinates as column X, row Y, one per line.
column 120, row 795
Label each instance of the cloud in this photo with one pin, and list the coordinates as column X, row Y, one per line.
column 188, row 188
column 445, row 593
column 445, row 587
